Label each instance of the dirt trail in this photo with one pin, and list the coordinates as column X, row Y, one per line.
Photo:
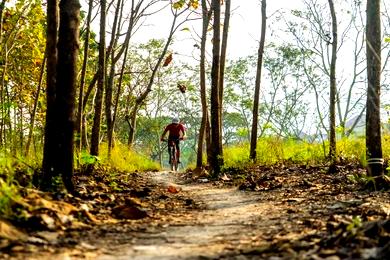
column 227, row 223
column 289, row 213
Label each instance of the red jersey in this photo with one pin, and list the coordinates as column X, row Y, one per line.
column 174, row 130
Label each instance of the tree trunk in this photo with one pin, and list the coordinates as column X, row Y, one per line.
column 80, row 114
column 332, row 93
column 95, row 139
column 256, row 100
column 68, row 47
column 111, row 77
column 373, row 126
column 225, row 34
column 2, row 128
column 206, row 15
column 120, row 86
column 84, row 134
column 49, row 149
column 34, row 111
column 132, row 121
column 216, row 159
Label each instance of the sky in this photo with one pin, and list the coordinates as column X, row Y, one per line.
column 244, row 31
column 245, row 23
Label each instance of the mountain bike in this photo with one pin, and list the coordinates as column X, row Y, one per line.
column 173, row 154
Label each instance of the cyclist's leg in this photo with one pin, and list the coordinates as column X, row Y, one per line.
column 177, row 143
column 169, row 151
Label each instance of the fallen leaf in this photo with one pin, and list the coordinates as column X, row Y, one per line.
column 48, row 236
column 172, row 189
column 129, row 212
column 8, row 231
column 47, row 221
column 88, row 216
column 225, row 177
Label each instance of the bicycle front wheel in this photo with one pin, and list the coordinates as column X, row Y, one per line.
column 174, row 164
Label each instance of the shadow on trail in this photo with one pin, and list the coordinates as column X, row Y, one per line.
column 231, row 219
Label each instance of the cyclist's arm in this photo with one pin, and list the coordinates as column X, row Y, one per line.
column 163, row 134
column 183, row 131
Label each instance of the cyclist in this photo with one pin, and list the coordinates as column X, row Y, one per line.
column 177, row 132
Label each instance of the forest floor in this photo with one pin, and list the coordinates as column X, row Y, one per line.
column 294, row 212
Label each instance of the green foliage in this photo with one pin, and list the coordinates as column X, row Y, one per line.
column 87, row 159
column 302, row 152
column 361, row 178
column 9, row 193
column 236, row 156
column 352, row 149
column 181, row 3
column 272, row 150
column 125, row 160
column 354, row 226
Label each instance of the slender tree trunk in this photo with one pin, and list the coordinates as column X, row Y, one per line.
column 225, row 34
column 373, row 126
column 332, row 93
column 34, row 111
column 95, row 139
column 80, row 114
column 49, row 154
column 2, row 129
column 256, row 100
column 2, row 6
column 206, row 15
column 111, row 77
column 216, row 159
column 132, row 121
column 120, row 86
column 19, row 141
column 84, row 134
column 208, row 140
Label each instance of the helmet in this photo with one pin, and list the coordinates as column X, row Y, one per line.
column 175, row 120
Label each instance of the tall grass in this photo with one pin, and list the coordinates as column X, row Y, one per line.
column 271, row 151
column 9, row 193
column 9, row 190
column 124, row 159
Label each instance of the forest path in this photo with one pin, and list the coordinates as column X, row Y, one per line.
column 288, row 213
column 231, row 220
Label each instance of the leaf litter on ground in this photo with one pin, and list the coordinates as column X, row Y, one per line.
column 322, row 216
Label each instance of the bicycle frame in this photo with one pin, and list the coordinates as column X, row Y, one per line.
column 173, row 155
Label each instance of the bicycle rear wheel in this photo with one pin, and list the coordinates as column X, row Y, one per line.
column 174, row 164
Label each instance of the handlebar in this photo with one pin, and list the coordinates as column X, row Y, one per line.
column 165, row 140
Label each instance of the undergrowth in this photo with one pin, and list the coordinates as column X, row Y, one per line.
column 271, row 151
column 121, row 159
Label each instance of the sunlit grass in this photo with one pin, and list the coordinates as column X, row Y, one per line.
column 9, row 193
column 124, row 159
column 353, row 149
column 236, row 156
column 271, row 151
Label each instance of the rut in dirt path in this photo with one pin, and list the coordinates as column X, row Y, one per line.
column 231, row 220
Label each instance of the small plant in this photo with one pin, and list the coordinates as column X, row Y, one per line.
column 126, row 160
column 8, row 195
column 355, row 224
column 87, row 159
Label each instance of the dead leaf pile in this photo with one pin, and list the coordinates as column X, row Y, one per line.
column 116, row 203
column 319, row 216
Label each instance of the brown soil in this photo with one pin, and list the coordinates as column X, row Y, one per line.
column 276, row 213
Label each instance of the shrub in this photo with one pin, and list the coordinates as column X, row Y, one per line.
column 9, row 193
column 124, row 159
